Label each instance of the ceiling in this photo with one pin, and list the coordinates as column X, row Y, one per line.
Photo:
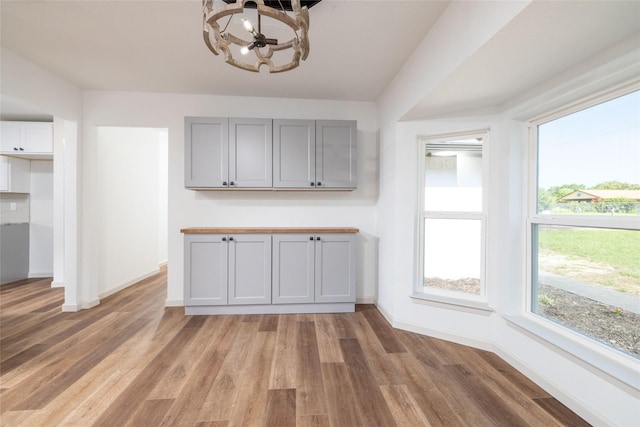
column 157, row 46
column 357, row 47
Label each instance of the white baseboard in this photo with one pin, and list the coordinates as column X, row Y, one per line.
column 40, row 275
column 127, row 284
column 567, row 399
column 57, row 284
column 83, row 306
column 365, row 300
column 174, row 303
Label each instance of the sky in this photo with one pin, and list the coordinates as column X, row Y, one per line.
column 599, row 144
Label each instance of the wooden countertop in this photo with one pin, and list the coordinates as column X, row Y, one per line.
column 268, row 230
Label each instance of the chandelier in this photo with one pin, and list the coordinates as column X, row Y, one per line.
column 259, row 50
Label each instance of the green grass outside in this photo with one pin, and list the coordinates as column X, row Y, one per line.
column 618, row 248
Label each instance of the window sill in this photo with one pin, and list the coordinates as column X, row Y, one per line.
column 620, row 366
column 452, row 302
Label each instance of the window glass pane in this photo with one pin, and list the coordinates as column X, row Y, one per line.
column 452, row 254
column 453, row 180
column 588, row 280
column 589, row 161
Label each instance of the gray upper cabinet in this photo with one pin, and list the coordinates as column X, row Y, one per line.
column 335, row 276
column 336, row 154
column 206, row 269
column 239, row 153
column 315, row 154
column 293, row 268
column 206, row 152
column 249, row 269
column 294, row 153
column 250, row 153
column 228, row 153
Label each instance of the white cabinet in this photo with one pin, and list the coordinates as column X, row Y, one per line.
column 227, row 269
column 317, row 268
column 15, row 175
column 315, row 154
column 27, row 139
column 228, row 153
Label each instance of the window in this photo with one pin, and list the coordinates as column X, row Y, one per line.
column 452, row 219
column 585, row 222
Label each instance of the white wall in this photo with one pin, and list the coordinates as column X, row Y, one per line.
column 600, row 395
column 32, row 85
column 41, row 219
column 126, row 200
column 188, row 208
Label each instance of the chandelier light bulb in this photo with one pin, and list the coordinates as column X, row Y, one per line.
column 244, row 50
column 247, row 25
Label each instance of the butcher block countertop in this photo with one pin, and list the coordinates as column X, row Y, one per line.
column 267, row 230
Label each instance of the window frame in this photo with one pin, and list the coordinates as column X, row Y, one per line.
column 607, row 359
column 452, row 298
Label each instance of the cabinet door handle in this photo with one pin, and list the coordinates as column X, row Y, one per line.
column 318, row 238
column 231, row 239
column 319, row 184
column 224, row 239
column 231, row 183
column 313, row 184
column 21, row 149
column 311, row 238
column 224, row 183
column 15, row 148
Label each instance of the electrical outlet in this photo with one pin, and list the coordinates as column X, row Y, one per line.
column 13, row 206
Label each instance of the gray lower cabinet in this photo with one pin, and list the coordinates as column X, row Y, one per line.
column 246, row 273
column 227, row 270
column 314, row 268
column 249, row 269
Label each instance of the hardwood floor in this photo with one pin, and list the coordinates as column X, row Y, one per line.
column 132, row 362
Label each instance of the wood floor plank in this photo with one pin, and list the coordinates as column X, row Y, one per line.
column 383, row 331
column 128, row 401
column 150, row 413
column 341, row 404
column 131, row 361
column 281, row 408
column 283, row 366
column 328, row 344
column 186, row 407
column 372, row 404
column 431, row 401
column 560, row 412
column 223, row 394
column 310, row 398
column 404, row 407
column 250, row 406
column 376, row 355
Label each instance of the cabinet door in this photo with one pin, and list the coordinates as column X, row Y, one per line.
column 205, row 269
column 249, row 269
column 15, row 175
column 293, row 268
column 336, row 154
column 250, row 153
column 294, row 153
column 10, row 136
column 206, row 152
column 335, row 268
column 37, row 137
